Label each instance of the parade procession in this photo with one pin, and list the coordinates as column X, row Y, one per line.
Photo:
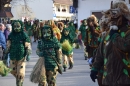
column 64, row 42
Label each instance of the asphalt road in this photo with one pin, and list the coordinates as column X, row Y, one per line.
column 78, row 76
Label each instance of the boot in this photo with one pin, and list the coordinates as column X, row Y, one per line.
column 19, row 83
column 85, row 56
column 71, row 66
column 64, row 69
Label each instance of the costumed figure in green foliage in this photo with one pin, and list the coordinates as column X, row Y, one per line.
column 92, row 35
column 50, row 55
column 82, row 32
column 67, row 41
column 28, row 29
column 113, row 53
column 19, row 48
column 36, row 30
column 41, row 26
column 104, row 27
column 72, row 31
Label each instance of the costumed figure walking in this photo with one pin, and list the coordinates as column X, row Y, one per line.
column 92, row 34
column 114, row 50
column 60, row 26
column 35, row 28
column 50, row 58
column 104, row 27
column 55, row 29
column 28, row 29
column 72, row 29
column 82, row 33
column 67, row 41
column 19, row 48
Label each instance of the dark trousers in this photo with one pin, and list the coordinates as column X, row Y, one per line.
column 1, row 53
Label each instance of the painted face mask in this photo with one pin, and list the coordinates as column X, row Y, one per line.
column 72, row 24
column 34, row 26
column 17, row 27
column 85, row 22
column 66, row 31
column 47, row 33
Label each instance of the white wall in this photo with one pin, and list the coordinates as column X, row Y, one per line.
column 86, row 7
column 41, row 9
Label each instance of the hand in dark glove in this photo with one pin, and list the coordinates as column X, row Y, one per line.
column 93, row 75
column 27, row 58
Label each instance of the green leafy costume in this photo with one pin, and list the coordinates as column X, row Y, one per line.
column 49, row 50
column 28, row 28
column 72, row 29
column 113, row 54
column 92, row 36
column 82, row 29
column 67, row 41
column 18, row 46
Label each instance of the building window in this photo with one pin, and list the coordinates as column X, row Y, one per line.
column 97, row 14
column 57, row 8
column 63, row 8
column 129, row 1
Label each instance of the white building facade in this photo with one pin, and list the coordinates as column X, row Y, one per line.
column 35, row 9
column 89, row 7
column 62, row 10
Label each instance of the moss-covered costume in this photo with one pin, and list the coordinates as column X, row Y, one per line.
column 49, row 51
column 18, row 45
column 92, row 36
column 28, row 28
column 113, row 53
column 67, row 41
column 72, row 29
column 82, row 31
column 36, row 30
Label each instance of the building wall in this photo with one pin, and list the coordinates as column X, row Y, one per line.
column 39, row 9
column 60, row 15
column 86, row 7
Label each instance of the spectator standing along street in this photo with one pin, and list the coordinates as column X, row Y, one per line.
column 2, row 41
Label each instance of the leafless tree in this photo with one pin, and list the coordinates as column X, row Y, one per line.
column 25, row 3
